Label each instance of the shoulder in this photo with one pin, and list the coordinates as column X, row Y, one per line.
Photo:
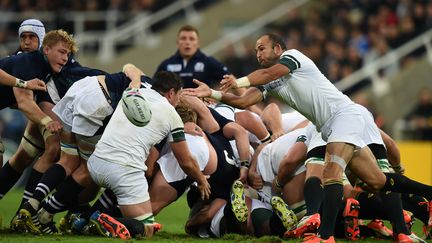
column 293, row 59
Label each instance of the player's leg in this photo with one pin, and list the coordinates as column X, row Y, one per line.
column 69, row 161
column 337, row 156
column 131, row 189
column 161, row 200
column 31, row 146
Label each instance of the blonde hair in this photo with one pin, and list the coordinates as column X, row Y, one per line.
column 186, row 113
column 55, row 36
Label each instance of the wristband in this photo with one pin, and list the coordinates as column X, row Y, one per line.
column 243, row 82
column 266, row 139
column 278, row 185
column 44, row 121
column 217, row 95
column 20, row 83
column 244, row 163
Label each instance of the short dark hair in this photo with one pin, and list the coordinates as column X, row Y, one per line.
column 188, row 28
column 163, row 81
column 276, row 39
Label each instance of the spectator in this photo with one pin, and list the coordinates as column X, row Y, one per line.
column 190, row 63
column 420, row 118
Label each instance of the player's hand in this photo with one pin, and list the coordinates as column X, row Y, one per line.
column 255, row 180
column 275, row 187
column 202, row 91
column 36, row 84
column 54, row 127
column 243, row 175
column 204, row 188
column 228, row 82
column 193, row 129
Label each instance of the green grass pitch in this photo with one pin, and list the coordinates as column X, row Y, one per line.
column 172, row 219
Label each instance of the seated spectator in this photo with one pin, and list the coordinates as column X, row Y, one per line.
column 420, row 118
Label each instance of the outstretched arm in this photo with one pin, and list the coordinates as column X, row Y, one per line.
column 250, row 97
column 205, row 118
column 9, row 80
column 258, row 77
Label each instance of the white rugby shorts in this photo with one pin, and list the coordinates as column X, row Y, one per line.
column 128, row 183
column 346, row 126
column 84, row 107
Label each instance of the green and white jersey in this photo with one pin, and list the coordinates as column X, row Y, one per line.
column 306, row 89
column 126, row 144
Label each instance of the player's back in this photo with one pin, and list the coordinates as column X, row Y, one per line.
column 124, row 143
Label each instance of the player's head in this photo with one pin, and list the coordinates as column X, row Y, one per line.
column 31, row 34
column 57, row 46
column 186, row 113
column 187, row 41
column 169, row 85
column 269, row 47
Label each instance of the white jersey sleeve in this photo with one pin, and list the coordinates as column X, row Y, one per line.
column 306, row 89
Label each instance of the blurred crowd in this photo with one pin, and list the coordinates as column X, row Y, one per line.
column 341, row 36
column 120, row 10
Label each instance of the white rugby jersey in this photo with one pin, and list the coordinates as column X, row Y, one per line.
column 126, row 144
column 170, row 167
column 306, row 89
column 279, row 148
column 291, row 119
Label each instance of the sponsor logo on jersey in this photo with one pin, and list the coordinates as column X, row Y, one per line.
column 199, row 67
column 174, row 67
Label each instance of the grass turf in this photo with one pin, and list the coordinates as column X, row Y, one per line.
column 172, row 218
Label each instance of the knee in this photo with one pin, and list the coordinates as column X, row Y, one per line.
column 52, row 148
column 377, row 183
column 332, row 172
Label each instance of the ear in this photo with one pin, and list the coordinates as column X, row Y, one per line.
column 45, row 50
column 277, row 49
column 170, row 93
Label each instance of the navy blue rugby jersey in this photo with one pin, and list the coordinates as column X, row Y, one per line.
column 25, row 66
column 117, row 82
column 70, row 73
column 204, row 68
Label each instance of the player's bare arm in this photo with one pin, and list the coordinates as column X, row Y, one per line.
column 293, row 158
column 190, row 167
column 254, row 178
column 205, row 118
column 258, row 77
column 9, row 80
column 134, row 74
column 32, row 111
column 250, row 97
